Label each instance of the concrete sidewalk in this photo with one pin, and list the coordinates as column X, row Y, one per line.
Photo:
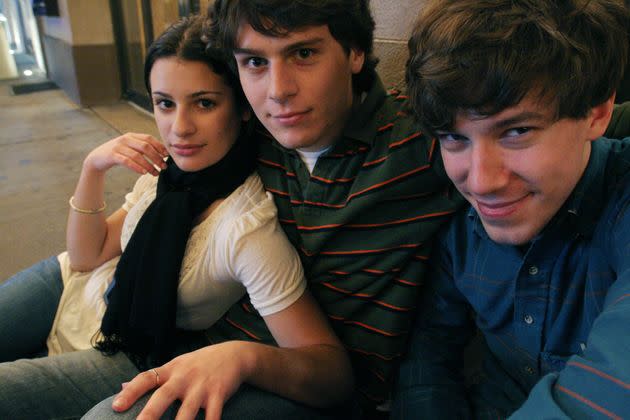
column 44, row 138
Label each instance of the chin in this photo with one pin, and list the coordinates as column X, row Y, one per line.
column 187, row 166
column 291, row 141
column 510, row 236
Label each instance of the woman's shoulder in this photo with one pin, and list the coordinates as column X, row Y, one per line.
column 146, row 184
column 248, row 207
column 250, row 198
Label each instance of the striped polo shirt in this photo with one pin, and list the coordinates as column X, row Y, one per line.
column 362, row 223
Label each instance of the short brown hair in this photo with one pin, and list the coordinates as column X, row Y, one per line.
column 350, row 23
column 486, row 55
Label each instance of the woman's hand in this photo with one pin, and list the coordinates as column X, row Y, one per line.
column 138, row 152
column 203, row 379
column 311, row 367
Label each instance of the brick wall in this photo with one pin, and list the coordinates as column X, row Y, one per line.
column 394, row 22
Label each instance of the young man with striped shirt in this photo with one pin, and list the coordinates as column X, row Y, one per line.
column 359, row 188
column 360, row 192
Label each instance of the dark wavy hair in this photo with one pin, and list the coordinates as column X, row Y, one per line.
column 185, row 40
column 350, row 22
column 483, row 56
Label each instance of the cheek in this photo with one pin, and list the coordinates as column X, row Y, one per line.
column 163, row 126
column 456, row 166
column 252, row 89
column 225, row 127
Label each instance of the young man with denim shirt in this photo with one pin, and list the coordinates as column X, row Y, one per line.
column 518, row 92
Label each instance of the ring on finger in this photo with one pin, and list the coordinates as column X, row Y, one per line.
column 157, row 376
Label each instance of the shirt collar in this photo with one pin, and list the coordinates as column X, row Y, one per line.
column 585, row 203
column 362, row 124
column 587, row 200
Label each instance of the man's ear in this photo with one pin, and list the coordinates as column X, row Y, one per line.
column 357, row 59
column 599, row 118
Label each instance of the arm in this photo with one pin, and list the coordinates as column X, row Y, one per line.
column 91, row 238
column 597, row 382
column 430, row 382
column 310, row 365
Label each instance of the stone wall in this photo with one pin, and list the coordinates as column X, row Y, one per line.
column 394, row 22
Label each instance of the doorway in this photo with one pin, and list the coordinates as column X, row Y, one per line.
column 136, row 24
column 20, row 49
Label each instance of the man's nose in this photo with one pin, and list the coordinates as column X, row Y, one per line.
column 487, row 173
column 282, row 83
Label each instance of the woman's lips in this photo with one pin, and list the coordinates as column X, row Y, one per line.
column 186, row 149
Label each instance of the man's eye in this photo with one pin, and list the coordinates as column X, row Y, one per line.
column 305, row 53
column 450, row 137
column 517, row 131
column 452, row 142
column 256, row 62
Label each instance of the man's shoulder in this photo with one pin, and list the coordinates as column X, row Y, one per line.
column 617, row 165
column 395, row 110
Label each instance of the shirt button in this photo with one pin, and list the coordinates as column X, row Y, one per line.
column 533, row 270
column 528, row 319
column 529, row 370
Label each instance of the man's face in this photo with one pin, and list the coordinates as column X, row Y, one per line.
column 518, row 167
column 299, row 85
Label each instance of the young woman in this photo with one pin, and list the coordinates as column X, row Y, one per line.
column 196, row 233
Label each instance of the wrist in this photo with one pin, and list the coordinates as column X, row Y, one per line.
column 96, row 163
column 247, row 358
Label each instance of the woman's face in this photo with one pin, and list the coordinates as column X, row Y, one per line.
column 195, row 111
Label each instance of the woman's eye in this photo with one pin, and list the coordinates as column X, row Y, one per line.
column 164, row 104
column 206, row 103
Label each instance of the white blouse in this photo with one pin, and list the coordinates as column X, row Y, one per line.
column 238, row 248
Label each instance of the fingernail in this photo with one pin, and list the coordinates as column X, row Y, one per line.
column 118, row 403
column 124, row 384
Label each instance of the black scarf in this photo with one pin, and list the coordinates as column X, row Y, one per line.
column 140, row 315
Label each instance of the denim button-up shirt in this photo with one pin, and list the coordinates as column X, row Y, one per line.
column 555, row 315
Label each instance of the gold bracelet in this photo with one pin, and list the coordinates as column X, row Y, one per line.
column 86, row 211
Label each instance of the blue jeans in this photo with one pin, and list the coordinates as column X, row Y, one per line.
column 57, row 387
column 69, row 385
column 65, row 386
column 248, row 403
column 28, row 303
